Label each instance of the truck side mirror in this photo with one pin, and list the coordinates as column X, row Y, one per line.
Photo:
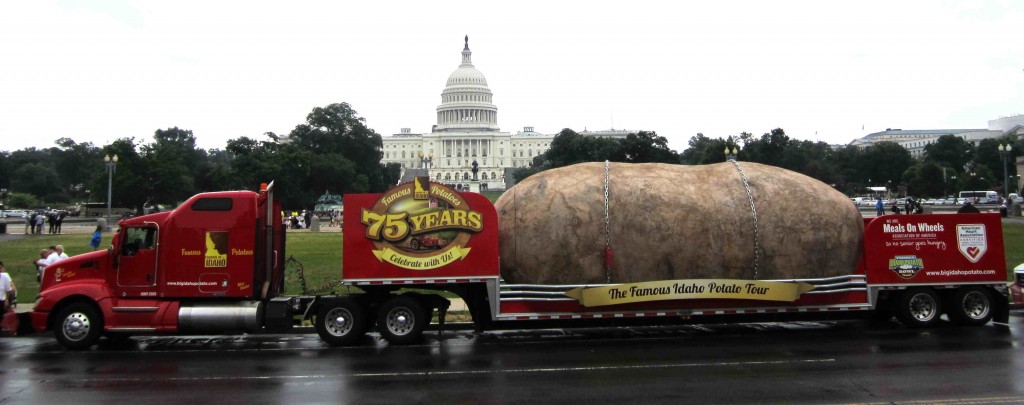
column 112, row 256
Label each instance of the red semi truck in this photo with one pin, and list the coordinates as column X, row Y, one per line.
column 215, row 265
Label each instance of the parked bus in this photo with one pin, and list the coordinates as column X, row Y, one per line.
column 99, row 209
column 980, row 197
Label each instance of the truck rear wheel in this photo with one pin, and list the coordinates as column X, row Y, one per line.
column 970, row 306
column 78, row 326
column 401, row 320
column 341, row 322
column 918, row 307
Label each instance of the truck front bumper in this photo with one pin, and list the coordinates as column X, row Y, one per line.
column 39, row 320
column 1016, row 288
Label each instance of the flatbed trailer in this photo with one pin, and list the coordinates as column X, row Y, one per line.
column 215, row 265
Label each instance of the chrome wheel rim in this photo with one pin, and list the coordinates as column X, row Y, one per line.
column 76, row 326
column 338, row 321
column 975, row 305
column 400, row 321
column 923, row 307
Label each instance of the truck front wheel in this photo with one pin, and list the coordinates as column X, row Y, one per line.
column 401, row 320
column 341, row 322
column 78, row 326
column 971, row 306
column 918, row 307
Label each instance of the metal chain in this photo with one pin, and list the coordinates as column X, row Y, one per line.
column 293, row 264
column 607, row 221
column 753, row 212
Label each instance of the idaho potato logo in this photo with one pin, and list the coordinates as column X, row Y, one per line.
column 421, row 226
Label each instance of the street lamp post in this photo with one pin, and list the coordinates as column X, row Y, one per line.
column 1004, row 152
column 730, row 154
column 111, row 162
column 426, row 160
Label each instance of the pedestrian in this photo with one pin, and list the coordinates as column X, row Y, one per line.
column 96, row 236
column 8, row 292
column 60, row 220
column 879, row 207
column 968, row 208
column 918, row 209
column 29, row 222
column 40, row 221
column 8, row 301
column 895, row 208
column 59, row 250
column 41, row 264
column 51, row 219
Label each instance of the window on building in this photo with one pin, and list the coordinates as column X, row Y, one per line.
column 447, row 176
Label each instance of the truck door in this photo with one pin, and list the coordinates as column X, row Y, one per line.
column 138, row 256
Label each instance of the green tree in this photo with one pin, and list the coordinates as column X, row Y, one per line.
column 769, row 149
column 979, row 178
column 886, row 162
column 949, row 151
column 37, row 179
column 924, row 179
column 76, row 164
column 287, row 165
column 645, row 147
column 130, row 179
column 217, row 173
column 172, row 164
column 987, row 154
column 5, row 170
column 703, row 150
column 22, row 200
column 347, row 146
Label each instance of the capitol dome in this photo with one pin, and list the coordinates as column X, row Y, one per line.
column 466, row 102
column 466, row 76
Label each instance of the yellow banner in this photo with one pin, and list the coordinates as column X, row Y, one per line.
column 689, row 290
column 422, row 263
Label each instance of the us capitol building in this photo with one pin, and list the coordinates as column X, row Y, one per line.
column 467, row 131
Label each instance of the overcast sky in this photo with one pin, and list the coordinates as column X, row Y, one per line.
column 96, row 71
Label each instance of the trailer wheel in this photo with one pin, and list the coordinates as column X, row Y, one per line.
column 78, row 326
column 971, row 306
column 401, row 320
column 918, row 307
column 341, row 322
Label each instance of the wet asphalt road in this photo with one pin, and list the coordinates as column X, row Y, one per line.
column 805, row 362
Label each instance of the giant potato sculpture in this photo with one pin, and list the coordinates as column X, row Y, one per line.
column 675, row 222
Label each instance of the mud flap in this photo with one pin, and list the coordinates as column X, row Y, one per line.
column 1001, row 307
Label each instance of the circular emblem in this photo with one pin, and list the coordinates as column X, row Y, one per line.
column 421, row 225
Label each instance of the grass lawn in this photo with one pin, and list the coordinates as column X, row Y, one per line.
column 319, row 253
column 19, row 255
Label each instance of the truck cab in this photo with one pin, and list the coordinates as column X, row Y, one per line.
column 208, row 265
